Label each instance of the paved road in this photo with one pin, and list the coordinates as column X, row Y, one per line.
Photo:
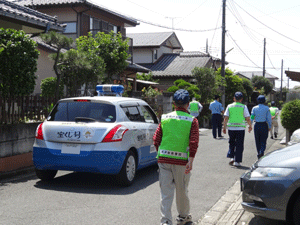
column 78, row 198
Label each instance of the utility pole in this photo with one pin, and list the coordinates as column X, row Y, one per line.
column 281, row 79
column 288, row 81
column 223, row 50
column 172, row 18
column 264, row 62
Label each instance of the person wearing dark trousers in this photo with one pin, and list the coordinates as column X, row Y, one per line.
column 234, row 118
column 263, row 122
column 216, row 119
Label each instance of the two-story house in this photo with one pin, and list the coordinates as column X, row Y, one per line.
column 81, row 17
column 32, row 23
column 149, row 47
column 163, row 54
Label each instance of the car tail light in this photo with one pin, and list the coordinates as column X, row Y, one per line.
column 39, row 132
column 115, row 134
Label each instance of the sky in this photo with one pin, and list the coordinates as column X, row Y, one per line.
column 197, row 24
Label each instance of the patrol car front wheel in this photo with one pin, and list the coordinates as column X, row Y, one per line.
column 128, row 171
column 45, row 175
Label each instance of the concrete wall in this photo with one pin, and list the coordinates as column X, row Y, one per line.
column 16, row 141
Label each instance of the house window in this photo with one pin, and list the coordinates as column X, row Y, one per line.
column 155, row 54
column 95, row 25
column 70, row 28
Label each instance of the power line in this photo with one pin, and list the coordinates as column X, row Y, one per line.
column 275, row 13
column 146, row 8
column 266, row 25
column 210, row 47
column 270, row 60
column 238, row 17
column 191, row 12
column 242, row 50
column 179, row 29
column 276, row 42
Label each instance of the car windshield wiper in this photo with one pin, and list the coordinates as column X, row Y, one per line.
column 84, row 119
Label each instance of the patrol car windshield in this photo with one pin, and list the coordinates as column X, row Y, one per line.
column 86, row 111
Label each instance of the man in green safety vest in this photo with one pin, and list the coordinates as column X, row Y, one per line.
column 195, row 108
column 176, row 141
column 274, row 115
column 235, row 115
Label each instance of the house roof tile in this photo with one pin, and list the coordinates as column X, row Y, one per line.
column 154, row 39
column 15, row 11
column 250, row 74
column 130, row 21
column 178, row 64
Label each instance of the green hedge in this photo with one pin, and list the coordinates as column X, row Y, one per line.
column 290, row 115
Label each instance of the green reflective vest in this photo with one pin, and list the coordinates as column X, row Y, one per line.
column 194, row 107
column 176, row 127
column 236, row 115
column 273, row 111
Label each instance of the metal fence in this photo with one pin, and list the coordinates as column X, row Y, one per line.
column 37, row 108
column 23, row 109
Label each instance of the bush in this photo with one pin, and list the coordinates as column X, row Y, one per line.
column 290, row 115
column 48, row 87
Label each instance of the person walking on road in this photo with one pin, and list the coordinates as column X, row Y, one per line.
column 195, row 108
column 217, row 110
column 274, row 114
column 263, row 122
column 176, row 141
column 235, row 115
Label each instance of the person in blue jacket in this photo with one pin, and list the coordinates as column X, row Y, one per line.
column 263, row 122
column 217, row 110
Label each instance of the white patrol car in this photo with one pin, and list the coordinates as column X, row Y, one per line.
column 104, row 134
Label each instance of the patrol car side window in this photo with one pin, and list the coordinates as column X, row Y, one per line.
column 133, row 114
column 148, row 114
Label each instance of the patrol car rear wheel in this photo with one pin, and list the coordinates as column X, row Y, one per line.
column 45, row 175
column 128, row 171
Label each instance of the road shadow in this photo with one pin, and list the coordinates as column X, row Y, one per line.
column 92, row 183
column 241, row 167
column 257, row 220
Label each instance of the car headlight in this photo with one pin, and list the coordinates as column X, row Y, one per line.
column 271, row 172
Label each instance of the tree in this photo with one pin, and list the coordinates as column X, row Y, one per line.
column 206, row 82
column 59, row 42
column 18, row 57
column 111, row 48
column 147, row 77
column 182, row 84
column 248, row 88
column 78, row 69
column 262, row 84
column 290, row 115
column 232, row 84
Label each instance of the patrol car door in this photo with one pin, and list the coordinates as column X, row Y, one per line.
column 149, row 123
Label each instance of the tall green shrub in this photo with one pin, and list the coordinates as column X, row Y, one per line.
column 48, row 87
column 290, row 115
column 18, row 63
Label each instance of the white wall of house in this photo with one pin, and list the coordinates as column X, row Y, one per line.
column 142, row 55
column 163, row 50
column 147, row 55
column 44, row 70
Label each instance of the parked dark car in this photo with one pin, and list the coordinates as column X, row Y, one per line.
column 271, row 188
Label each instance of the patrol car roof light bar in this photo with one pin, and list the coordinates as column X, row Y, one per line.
column 110, row 89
